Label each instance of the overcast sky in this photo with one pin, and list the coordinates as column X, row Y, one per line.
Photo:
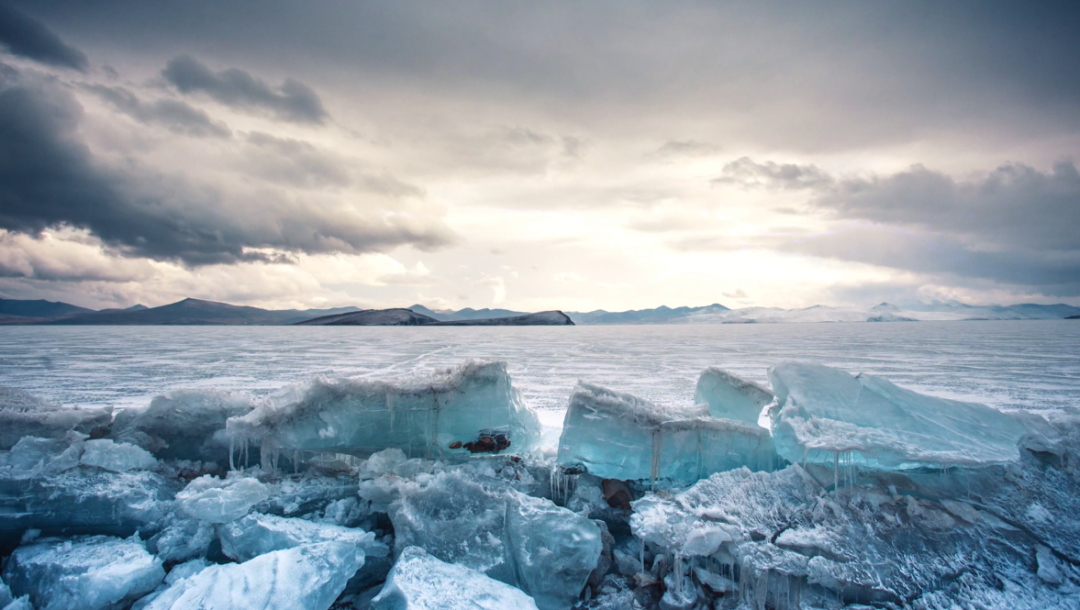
column 539, row 155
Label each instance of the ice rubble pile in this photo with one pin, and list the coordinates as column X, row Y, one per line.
column 618, row 436
column 424, row 494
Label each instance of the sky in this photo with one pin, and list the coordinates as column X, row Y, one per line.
column 539, row 155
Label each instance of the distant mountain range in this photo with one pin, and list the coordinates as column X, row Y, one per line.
column 198, row 312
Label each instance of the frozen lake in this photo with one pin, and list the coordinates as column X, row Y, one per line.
column 1024, row 364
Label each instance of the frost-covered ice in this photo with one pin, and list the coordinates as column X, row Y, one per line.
column 257, row 534
column 529, row 543
column 84, row 573
column 618, row 436
column 183, row 425
column 117, row 457
column 420, row 581
column 311, row 577
column 22, row 415
column 221, row 500
column 828, row 416
column 473, row 408
column 730, row 396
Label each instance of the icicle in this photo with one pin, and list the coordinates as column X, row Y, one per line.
column 657, row 451
column 232, row 444
column 836, row 470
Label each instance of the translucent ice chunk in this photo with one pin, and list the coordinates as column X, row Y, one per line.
column 619, row 436
column 118, row 457
column 469, row 409
column 419, row 581
column 825, row 415
column 184, row 425
column 86, row 573
column 309, row 577
column 22, row 414
column 546, row 551
column 257, row 534
column 730, row 396
column 221, row 500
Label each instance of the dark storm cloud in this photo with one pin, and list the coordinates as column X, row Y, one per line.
column 292, row 101
column 29, row 38
column 174, row 115
column 788, row 75
column 49, row 177
column 747, row 173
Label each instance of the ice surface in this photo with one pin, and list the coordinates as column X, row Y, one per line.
column 311, row 577
column 257, row 534
column 618, row 436
column 84, row 573
column 22, row 414
column 221, row 500
column 546, row 551
column 471, row 408
column 420, row 581
column 183, row 425
column 117, row 457
column 825, row 415
column 730, row 396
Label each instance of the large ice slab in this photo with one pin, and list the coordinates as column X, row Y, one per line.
column 529, row 543
column 183, row 425
column 22, row 414
column 311, row 577
column 730, row 396
column 468, row 409
column 825, row 415
column 420, row 581
column 85, row 573
column 221, row 500
column 619, row 436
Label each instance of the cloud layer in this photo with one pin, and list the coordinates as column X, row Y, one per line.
column 538, row 155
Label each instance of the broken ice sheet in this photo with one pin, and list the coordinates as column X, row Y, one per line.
column 619, row 436
column 436, row 417
column 221, row 500
column 825, row 415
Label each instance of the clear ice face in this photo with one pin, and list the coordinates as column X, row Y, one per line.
column 824, row 415
column 618, row 436
column 529, row 543
column 420, row 581
column 469, row 409
column 83, row 573
column 311, row 577
column 730, row 396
